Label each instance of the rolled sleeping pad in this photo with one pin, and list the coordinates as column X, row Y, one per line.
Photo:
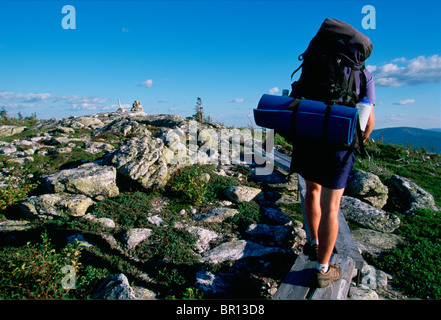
column 311, row 119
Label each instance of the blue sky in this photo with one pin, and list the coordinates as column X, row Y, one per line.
column 167, row 53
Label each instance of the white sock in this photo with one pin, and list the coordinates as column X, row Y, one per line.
column 314, row 241
column 322, row 267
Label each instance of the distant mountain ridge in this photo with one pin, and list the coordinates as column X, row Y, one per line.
column 407, row 136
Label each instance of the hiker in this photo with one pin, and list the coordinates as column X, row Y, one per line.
column 333, row 72
column 325, row 166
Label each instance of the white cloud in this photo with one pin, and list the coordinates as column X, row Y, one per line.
column 35, row 100
column 273, row 90
column 405, row 102
column 148, row 83
column 33, row 97
column 402, row 72
column 124, row 29
column 237, row 100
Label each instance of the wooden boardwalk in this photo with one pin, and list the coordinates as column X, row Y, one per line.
column 299, row 284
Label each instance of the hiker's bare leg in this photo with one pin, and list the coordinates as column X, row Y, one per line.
column 328, row 228
column 313, row 211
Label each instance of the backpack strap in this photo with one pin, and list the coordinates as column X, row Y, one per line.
column 326, row 122
column 294, row 106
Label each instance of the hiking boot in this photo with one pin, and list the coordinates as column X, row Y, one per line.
column 311, row 251
column 326, row 278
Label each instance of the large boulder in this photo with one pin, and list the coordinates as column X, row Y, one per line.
column 368, row 187
column 6, row 130
column 142, row 159
column 406, row 196
column 368, row 216
column 58, row 204
column 374, row 242
column 89, row 179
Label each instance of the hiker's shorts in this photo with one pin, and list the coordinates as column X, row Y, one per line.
column 324, row 164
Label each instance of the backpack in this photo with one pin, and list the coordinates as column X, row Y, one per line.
column 335, row 46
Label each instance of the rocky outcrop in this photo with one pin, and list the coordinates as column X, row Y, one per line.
column 144, row 160
column 148, row 150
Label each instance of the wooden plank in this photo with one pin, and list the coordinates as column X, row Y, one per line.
column 346, row 244
column 339, row 289
column 298, row 282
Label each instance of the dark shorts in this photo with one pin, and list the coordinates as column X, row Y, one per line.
column 324, row 164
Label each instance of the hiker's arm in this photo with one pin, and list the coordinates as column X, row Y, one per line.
column 370, row 125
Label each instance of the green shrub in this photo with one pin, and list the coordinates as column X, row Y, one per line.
column 249, row 213
column 128, row 209
column 34, row 271
column 10, row 195
column 190, row 185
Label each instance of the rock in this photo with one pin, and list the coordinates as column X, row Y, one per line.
column 89, row 179
column 59, row 204
column 277, row 216
column 242, row 193
column 6, row 130
column 235, row 250
column 105, row 222
column 268, row 233
column 275, row 177
column 204, row 236
column 154, row 219
column 368, row 216
column 15, row 225
column 215, row 215
column 367, row 187
column 117, row 287
column 79, row 239
column 406, row 196
column 141, row 159
column 137, row 107
column 372, row 278
column 8, row 150
column 211, row 283
column 97, row 147
column 135, row 236
column 163, row 120
column 362, row 293
column 374, row 242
